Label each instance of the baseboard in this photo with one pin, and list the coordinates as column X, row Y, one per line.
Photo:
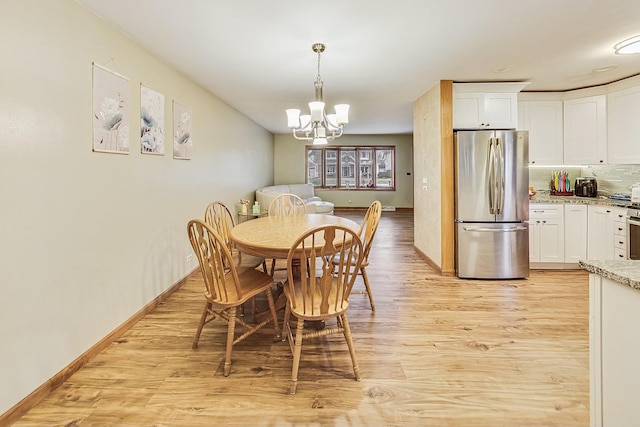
column 432, row 264
column 554, row 266
column 22, row 407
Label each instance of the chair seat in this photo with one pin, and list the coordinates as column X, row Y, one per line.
column 241, row 260
column 311, row 310
column 251, row 283
column 336, row 260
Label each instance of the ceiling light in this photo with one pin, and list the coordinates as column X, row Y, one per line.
column 504, row 69
column 627, row 46
column 318, row 126
column 605, row 68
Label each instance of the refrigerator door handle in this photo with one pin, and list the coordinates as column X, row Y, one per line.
column 499, row 171
column 491, row 176
column 495, row 230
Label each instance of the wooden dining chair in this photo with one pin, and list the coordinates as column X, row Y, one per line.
column 321, row 290
column 218, row 216
column 367, row 232
column 285, row 205
column 227, row 288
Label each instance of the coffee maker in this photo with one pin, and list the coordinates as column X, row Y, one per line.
column 586, row 187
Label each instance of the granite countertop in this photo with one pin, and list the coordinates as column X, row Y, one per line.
column 545, row 197
column 626, row 272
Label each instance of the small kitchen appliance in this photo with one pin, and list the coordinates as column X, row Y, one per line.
column 586, row 187
column 635, row 195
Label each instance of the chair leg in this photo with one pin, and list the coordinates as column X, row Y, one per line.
column 365, row 279
column 203, row 318
column 286, row 330
column 274, row 315
column 231, row 328
column 352, row 350
column 264, row 267
column 296, row 356
column 273, row 267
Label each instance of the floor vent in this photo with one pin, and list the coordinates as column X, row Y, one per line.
column 388, row 208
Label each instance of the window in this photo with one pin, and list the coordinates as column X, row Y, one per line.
column 351, row 168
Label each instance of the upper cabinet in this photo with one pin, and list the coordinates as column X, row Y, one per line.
column 543, row 120
column 486, row 105
column 585, row 130
column 623, row 126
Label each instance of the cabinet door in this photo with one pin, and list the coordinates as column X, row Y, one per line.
column 534, row 240
column 623, row 126
column 500, row 110
column 552, row 240
column 575, row 233
column 468, row 109
column 600, row 241
column 585, row 131
column 546, row 233
column 543, row 120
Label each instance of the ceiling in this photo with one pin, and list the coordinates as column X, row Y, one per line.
column 381, row 55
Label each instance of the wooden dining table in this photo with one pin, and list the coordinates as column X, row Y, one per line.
column 272, row 236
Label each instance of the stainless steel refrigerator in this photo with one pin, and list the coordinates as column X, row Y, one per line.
column 492, row 204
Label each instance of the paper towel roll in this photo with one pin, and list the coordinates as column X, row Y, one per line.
column 635, row 195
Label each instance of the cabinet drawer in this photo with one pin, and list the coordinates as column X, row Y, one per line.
column 620, row 241
column 546, row 212
column 620, row 228
column 620, row 217
column 620, row 253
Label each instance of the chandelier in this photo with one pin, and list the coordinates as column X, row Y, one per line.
column 318, row 126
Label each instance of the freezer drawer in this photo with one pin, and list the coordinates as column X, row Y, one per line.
column 492, row 250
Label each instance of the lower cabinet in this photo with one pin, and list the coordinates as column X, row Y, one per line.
column 575, row 232
column 614, row 351
column 607, row 233
column 619, row 234
column 546, row 233
column 560, row 235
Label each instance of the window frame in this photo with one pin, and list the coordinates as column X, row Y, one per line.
column 371, row 163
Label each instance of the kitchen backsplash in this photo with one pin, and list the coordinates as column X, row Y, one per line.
column 611, row 178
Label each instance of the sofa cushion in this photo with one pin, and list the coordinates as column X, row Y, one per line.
column 321, row 207
column 278, row 189
column 314, row 204
column 304, row 191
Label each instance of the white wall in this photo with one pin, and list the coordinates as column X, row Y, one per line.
column 87, row 239
column 289, row 160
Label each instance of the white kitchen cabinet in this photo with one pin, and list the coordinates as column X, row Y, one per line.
column 619, row 234
column 603, row 223
column 543, row 120
column 623, row 126
column 585, row 130
column 575, row 233
column 614, row 351
column 546, row 233
column 473, row 110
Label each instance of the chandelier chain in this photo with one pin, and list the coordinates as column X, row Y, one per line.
column 318, row 80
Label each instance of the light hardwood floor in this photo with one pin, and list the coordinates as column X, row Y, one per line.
column 438, row 351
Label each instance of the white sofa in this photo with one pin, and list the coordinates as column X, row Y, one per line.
column 265, row 196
